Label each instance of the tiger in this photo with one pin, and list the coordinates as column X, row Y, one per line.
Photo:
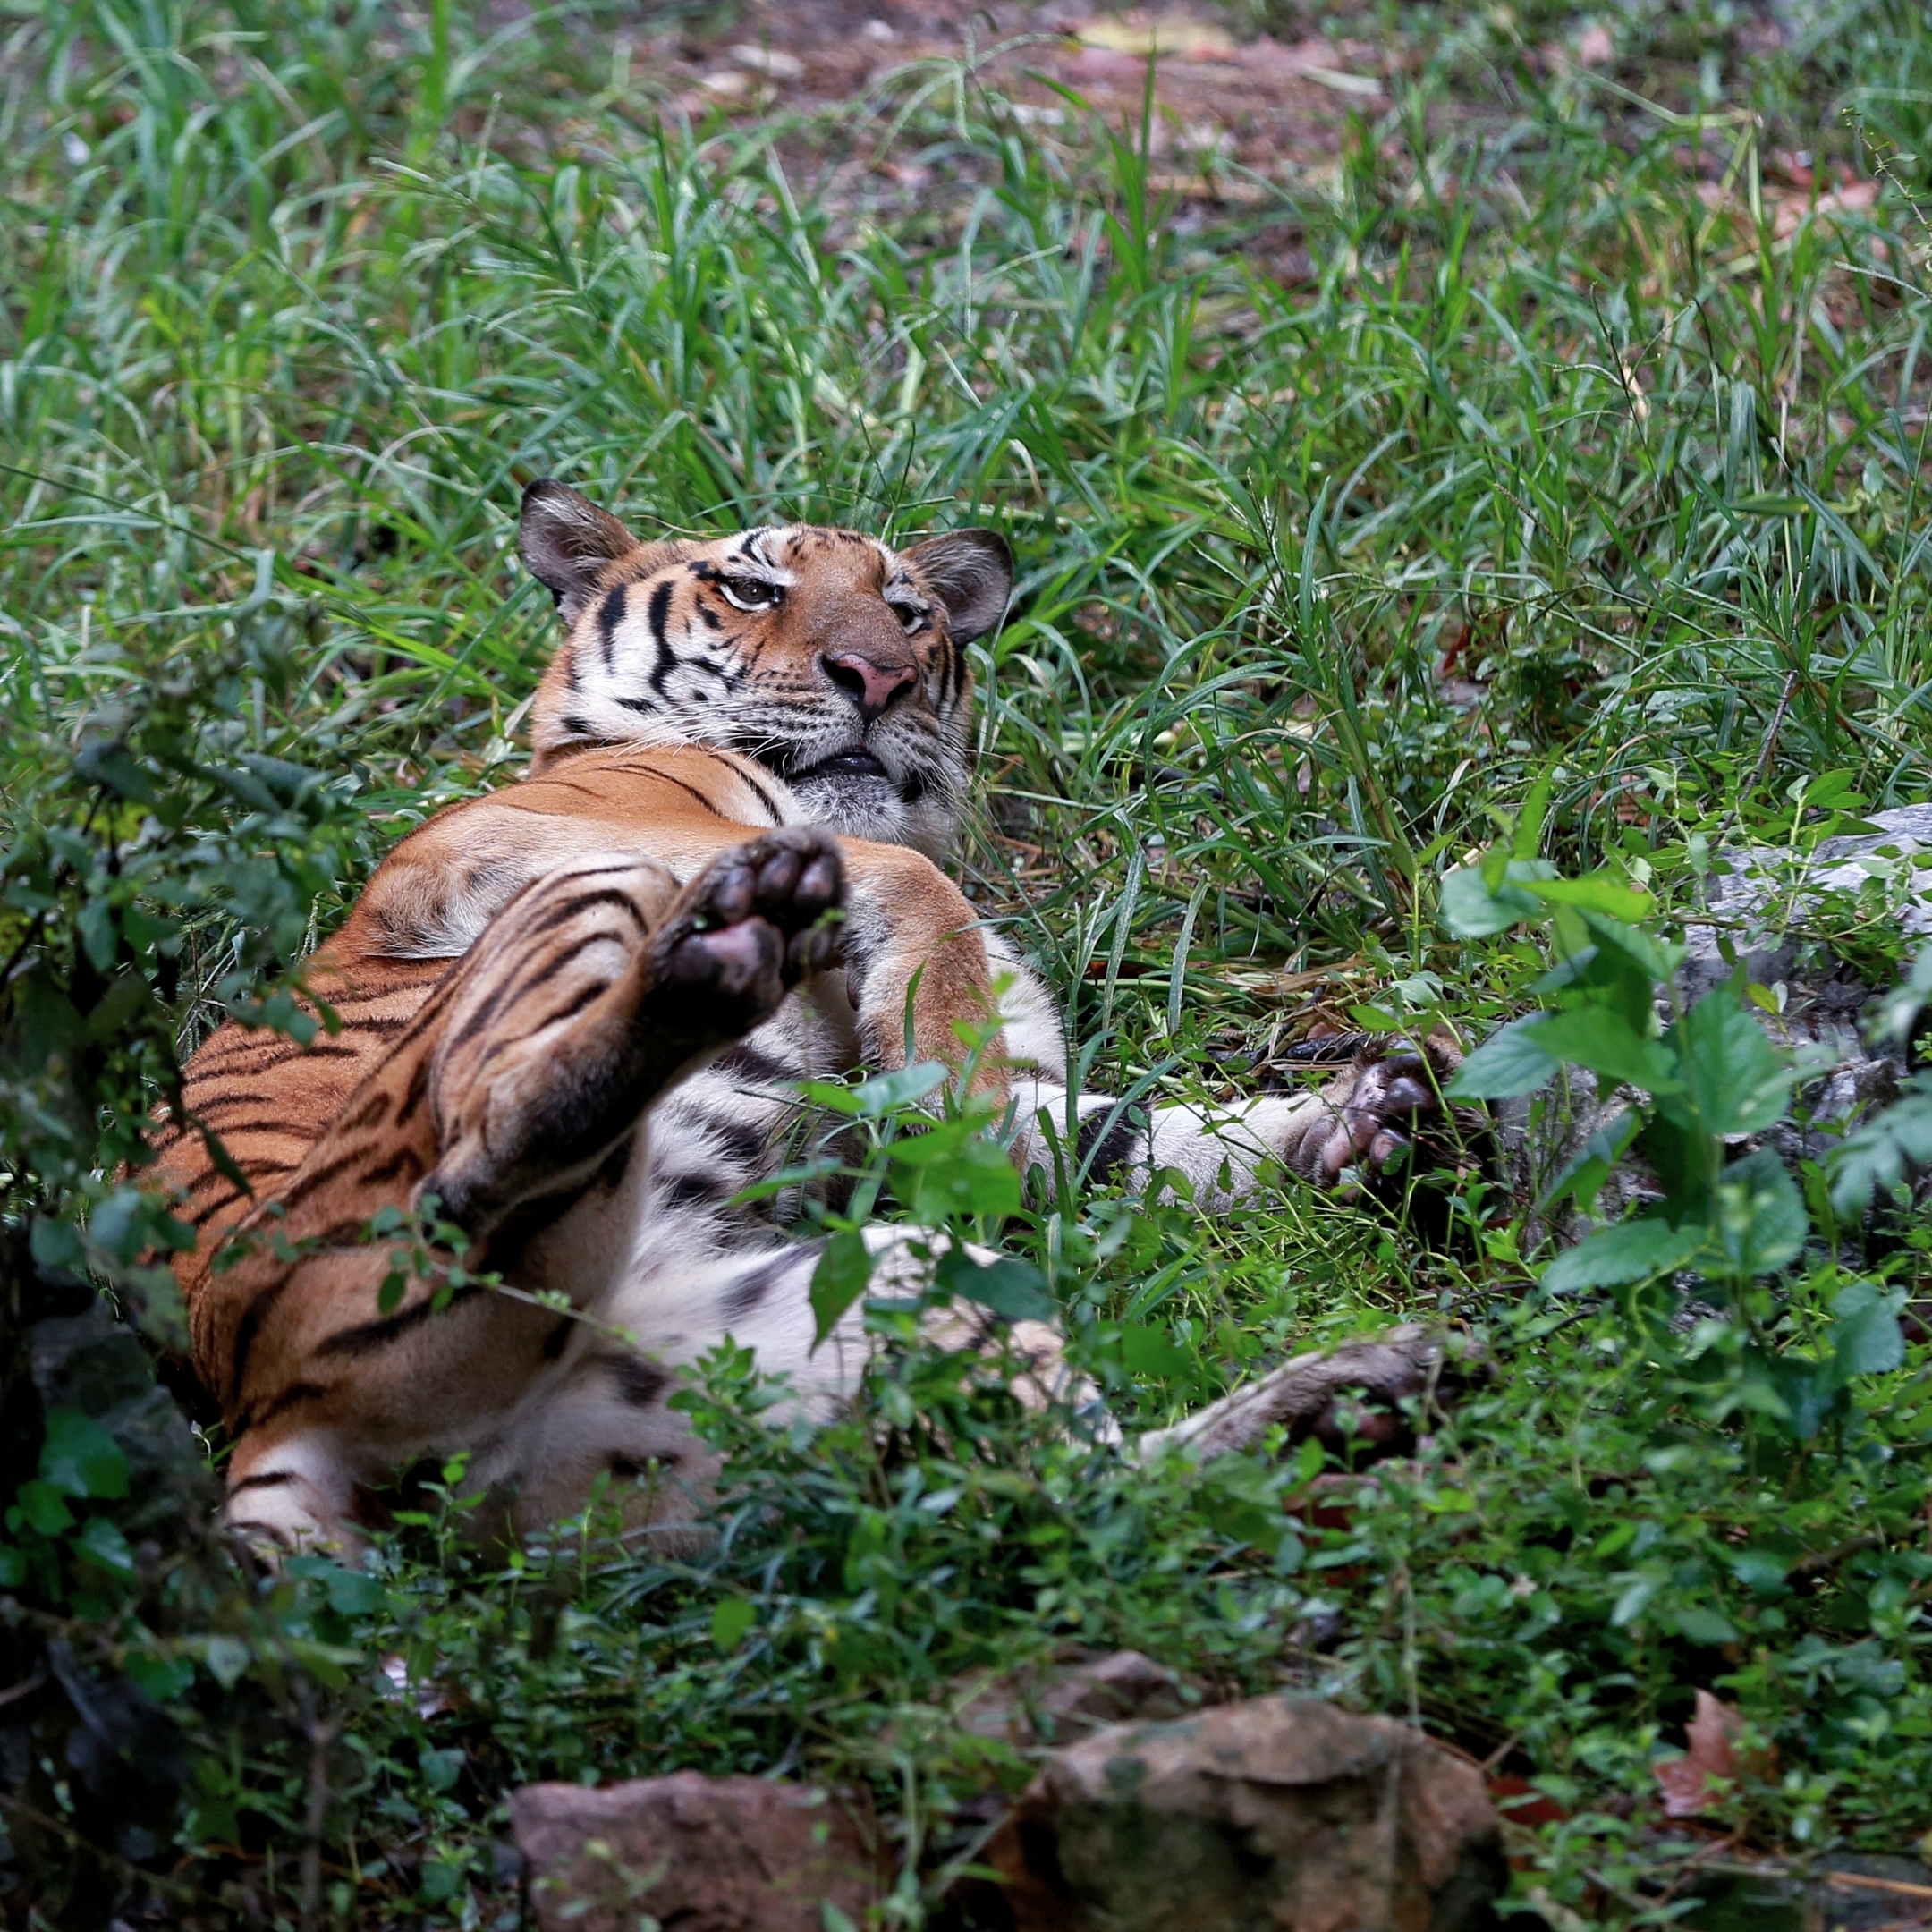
column 577, row 1014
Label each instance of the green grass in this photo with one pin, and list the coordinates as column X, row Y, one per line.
column 1559, row 468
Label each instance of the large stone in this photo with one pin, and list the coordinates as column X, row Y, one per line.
column 1276, row 1815
column 1756, row 902
column 1057, row 1703
column 704, row 1854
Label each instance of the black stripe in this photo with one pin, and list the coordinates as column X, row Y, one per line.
column 749, row 1290
column 750, row 1062
column 257, row 1312
column 667, row 778
column 1107, row 1139
column 413, row 1094
column 610, row 614
column 660, row 612
column 690, row 1191
column 639, row 1382
column 744, row 1141
column 291, row 1397
column 507, row 995
column 368, row 1337
column 272, row 1479
column 764, row 797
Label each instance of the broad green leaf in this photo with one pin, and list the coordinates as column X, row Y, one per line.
column 839, row 1278
column 1013, row 1289
column 1583, row 1176
column 1604, row 1041
column 1865, row 1337
column 81, row 1458
column 1657, row 958
column 1760, row 1223
column 1598, row 891
column 884, row 1092
column 1148, row 1351
column 109, row 762
column 1603, row 976
column 732, row 1621
column 1631, row 1251
column 1878, row 1153
column 1510, row 1061
column 226, row 1657
column 1904, row 1004
column 44, row 1509
column 1704, row 1626
column 100, row 1541
column 1735, row 1080
column 955, row 1170
column 1472, row 909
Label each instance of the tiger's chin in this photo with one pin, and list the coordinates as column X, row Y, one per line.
column 863, row 802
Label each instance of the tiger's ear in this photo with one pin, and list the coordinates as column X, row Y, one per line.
column 971, row 573
column 568, row 543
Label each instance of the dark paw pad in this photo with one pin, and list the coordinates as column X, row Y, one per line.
column 1374, row 1123
column 753, row 923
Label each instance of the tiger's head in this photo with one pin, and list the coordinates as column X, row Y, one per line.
column 833, row 660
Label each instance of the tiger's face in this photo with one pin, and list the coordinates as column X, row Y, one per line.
column 833, row 660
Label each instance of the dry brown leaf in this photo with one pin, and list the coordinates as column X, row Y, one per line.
column 1710, row 1753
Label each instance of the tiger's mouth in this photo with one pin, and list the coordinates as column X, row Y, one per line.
column 856, row 763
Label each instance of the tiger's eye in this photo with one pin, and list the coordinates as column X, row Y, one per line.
column 750, row 593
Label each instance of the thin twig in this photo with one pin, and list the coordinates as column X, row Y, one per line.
column 321, row 1733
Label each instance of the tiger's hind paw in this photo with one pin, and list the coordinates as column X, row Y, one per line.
column 751, row 927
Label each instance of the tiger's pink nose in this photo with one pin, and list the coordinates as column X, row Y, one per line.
column 871, row 686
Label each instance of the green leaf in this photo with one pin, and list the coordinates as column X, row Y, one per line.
column 1878, row 1154
column 1472, row 909
column 12, row 1566
column 1596, row 891
column 1735, row 1080
column 883, row 1094
column 1631, row 1251
column 110, row 764
column 101, row 1542
column 1509, row 1062
column 1702, row 1626
column 1865, row 1337
column 1761, row 1222
column 44, row 1509
column 1904, row 1004
column 1148, row 1351
column 227, row 1658
column 839, row 1278
column 81, row 1458
column 954, row 1170
column 1013, row 1289
column 1583, row 1176
column 1604, row 1041
column 732, row 1621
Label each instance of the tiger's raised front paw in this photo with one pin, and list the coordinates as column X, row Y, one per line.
column 752, row 925
column 1369, row 1117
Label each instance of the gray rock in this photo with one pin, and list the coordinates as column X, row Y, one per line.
column 1274, row 1815
column 1754, row 905
column 704, row 1854
column 1058, row 1703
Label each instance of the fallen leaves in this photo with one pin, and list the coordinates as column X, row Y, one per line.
column 1712, row 1762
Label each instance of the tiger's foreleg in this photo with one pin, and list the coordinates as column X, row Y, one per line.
column 1362, row 1122
column 592, row 991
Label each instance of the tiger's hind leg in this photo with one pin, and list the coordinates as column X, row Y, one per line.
column 593, row 991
